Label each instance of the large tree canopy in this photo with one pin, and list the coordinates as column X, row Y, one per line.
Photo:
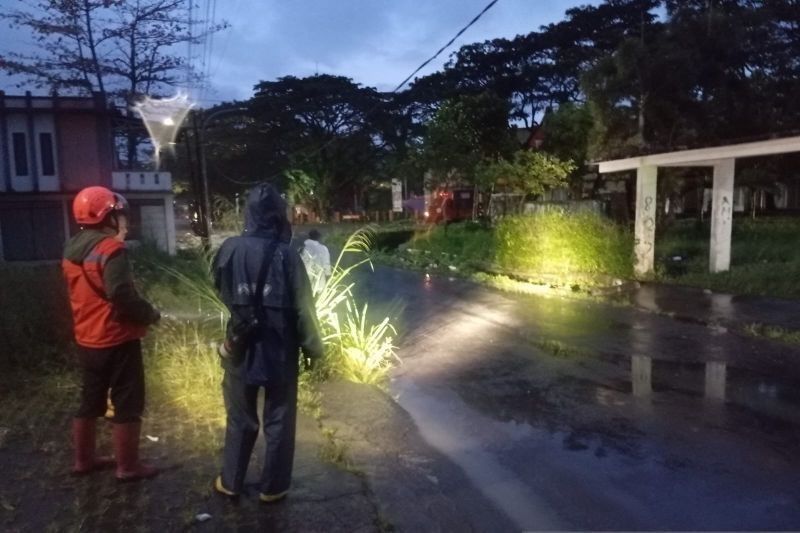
column 610, row 80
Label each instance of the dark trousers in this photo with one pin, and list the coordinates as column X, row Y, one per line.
column 118, row 369
column 279, row 419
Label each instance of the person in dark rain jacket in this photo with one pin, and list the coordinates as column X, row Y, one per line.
column 262, row 281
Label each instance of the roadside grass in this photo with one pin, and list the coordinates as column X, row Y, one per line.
column 183, row 371
column 765, row 257
column 570, row 246
column 774, row 333
column 551, row 254
column 463, row 244
column 583, row 254
column 356, row 349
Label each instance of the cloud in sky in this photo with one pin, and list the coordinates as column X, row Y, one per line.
column 376, row 42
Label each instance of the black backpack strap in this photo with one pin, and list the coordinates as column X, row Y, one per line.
column 263, row 273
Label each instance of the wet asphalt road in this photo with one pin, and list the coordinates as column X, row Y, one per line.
column 578, row 415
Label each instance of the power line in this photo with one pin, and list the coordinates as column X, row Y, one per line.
column 370, row 111
column 489, row 6
column 224, row 45
column 211, row 32
column 207, row 43
column 189, row 52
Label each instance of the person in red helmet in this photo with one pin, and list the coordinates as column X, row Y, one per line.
column 110, row 318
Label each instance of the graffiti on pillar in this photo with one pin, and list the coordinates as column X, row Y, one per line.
column 725, row 211
column 643, row 245
column 642, row 250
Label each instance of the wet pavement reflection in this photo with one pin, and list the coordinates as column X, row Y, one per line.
column 575, row 414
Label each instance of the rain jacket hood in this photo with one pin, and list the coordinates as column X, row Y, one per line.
column 265, row 214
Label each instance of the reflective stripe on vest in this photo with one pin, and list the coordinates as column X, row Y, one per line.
column 94, row 317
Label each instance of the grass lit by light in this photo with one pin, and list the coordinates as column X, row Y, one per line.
column 356, row 349
column 185, row 371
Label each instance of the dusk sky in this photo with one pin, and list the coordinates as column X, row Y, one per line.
column 376, row 42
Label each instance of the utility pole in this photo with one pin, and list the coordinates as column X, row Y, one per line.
column 205, row 193
column 201, row 195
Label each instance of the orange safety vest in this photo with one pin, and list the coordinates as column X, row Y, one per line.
column 94, row 317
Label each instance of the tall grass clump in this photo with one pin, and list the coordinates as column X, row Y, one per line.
column 356, row 349
column 180, row 283
column 564, row 244
column 366, row 351
column 183, row 363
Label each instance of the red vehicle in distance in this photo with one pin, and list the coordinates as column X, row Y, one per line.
column 450, row 205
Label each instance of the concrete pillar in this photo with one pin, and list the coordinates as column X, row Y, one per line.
column 645, row 228
column 721, row 216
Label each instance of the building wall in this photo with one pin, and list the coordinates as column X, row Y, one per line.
column 34, row 227
column 50, row 148
column 81, row 161
column 54, row 144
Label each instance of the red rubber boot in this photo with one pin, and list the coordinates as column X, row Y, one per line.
column 84, row 434
column 126, row 449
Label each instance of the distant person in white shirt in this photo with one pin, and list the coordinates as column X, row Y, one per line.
column 317, row 259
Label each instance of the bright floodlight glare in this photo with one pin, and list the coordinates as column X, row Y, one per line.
column 163, row 118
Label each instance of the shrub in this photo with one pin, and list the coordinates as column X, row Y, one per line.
column 564, row 244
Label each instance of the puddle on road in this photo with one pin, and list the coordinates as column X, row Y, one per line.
column 716, row 381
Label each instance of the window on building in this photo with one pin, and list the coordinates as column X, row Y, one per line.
column 46, row 149
column 20, row 154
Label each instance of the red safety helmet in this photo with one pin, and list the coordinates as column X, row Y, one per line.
column 93, row 204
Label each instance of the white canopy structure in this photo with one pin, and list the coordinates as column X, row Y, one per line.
column 723, row 159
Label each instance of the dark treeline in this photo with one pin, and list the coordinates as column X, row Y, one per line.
column 613, row 80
